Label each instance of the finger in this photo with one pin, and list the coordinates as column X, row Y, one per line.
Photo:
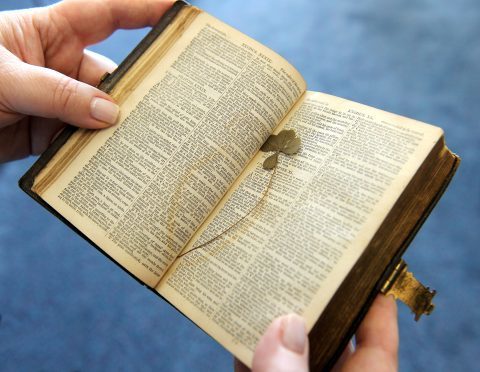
column 379, row 329
column 283, row 347
column 14, row 141
column 94, row 20
column 93, row 67
column 42, row 133
column 38, row 91
column 377, row 339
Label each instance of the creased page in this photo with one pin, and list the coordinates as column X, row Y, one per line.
column 323, row 207
column 141, row 189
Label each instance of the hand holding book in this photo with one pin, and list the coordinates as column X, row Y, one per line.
column 48, row 77
column 198, row 100
column 284, row 346
column 43, row 104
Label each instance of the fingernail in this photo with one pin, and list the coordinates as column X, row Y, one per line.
column 104, row 110
column 294, row 334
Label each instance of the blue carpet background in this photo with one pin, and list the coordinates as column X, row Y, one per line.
column 64, row 307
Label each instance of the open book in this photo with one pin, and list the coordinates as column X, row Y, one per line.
column 198, row 100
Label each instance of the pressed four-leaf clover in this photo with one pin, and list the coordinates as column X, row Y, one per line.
column 286, row 141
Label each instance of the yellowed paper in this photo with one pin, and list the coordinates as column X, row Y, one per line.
column 141, row 189
column 324, row 206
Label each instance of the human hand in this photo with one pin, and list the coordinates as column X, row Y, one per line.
column 47, row 75
column 284, row 346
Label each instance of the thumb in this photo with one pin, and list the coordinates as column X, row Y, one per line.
column 38, row 91
column 283, row 347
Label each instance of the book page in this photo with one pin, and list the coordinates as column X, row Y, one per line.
column 141, row 189
column 293, row 251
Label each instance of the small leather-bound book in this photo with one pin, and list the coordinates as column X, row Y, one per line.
column 237, row 195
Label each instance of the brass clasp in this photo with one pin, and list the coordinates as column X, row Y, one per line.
column 406, row 288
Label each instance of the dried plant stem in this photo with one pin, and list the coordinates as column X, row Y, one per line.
column 265, row 193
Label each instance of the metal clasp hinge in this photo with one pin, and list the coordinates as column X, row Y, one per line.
column 406, row 288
